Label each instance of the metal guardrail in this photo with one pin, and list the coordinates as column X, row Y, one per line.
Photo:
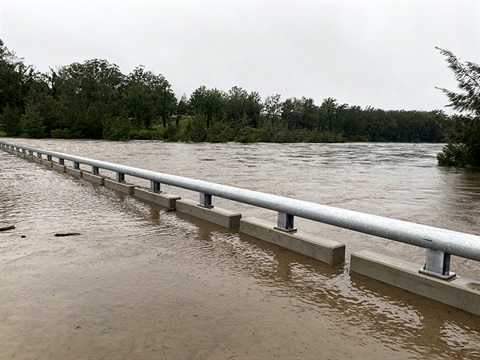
column 440, row 243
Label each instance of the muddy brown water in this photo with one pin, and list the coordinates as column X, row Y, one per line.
column 143, row 283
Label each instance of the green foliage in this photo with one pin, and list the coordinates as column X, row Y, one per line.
column 10, row 121
column 147, row 96
column 208, row 104
column 463, row 142
column 453, row 155
column 94, row 99
column 196, row 129
column 247, row 134
column 90, row 96
column 15, row 79
column 61, row 134
column 32, row 124
column 462, row 132
column 145, row 134
column 116, row 128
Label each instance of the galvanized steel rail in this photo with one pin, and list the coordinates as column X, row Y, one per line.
column 440, row 242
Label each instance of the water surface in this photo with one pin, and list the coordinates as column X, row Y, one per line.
column 141, row 283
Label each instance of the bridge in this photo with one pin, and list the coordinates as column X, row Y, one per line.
column 433, row 279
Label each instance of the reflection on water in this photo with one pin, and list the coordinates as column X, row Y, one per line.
column 140, row 282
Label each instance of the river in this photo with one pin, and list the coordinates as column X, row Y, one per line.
column 143, row 283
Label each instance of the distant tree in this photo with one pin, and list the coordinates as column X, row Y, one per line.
column 208, row 104
column 182, row 109
column 236, row 104
column 292, row 112
column 42, row 112
column 148, row 96
column 10, row 120
column 328, row 111
column 15, row 82
column 214, row 104
column 90, row 96
column 138, row 97
column 273, row 108
column 12, row 71
column 253, row 108
column 462, row 131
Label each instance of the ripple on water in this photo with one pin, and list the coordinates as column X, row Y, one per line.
column 135, row 264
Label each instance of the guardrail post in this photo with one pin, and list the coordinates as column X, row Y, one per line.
column 30, row 152
column 285, row 222
column 61, row 161
column 120, row 177
column 49, row 157
column 155, row 186
column 95, row 170
column 205, row 200
column 39, row 155
column 437, row 265
column 76, row 165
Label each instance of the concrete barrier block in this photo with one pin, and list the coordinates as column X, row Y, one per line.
column 36, row 159
column 460, row 292
column 74, row 172
column 93, row 178
column 328, row 251
column 47, row 163
column 165, row 200
column 123, row 187
column 58, row 167
column 222, row 217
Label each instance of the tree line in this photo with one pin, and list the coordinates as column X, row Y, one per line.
column 94, row 99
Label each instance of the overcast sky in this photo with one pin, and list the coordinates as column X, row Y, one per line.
column 367, row 53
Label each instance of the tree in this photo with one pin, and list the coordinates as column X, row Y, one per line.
column 253, row 108
column 236, row 104
column 137, row 97
column 15, row 81
column 273, row 108
column 10, row 120
column 182, row 109
column 148, row 96
column 90, row 97
column 462, row 131
column 207, row 103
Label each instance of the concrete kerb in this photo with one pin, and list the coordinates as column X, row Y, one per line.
column 460, row 292
column 327, row 251
column 96, row 179
column 33, row 158
column 74, row 172
column 123, row 187
column 219, row 216
column 58, row 167
column 47, row 163
column 166, row 200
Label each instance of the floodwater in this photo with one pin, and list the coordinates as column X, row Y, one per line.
column 143, row 283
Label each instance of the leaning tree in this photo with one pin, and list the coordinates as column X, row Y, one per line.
column 462, row 130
